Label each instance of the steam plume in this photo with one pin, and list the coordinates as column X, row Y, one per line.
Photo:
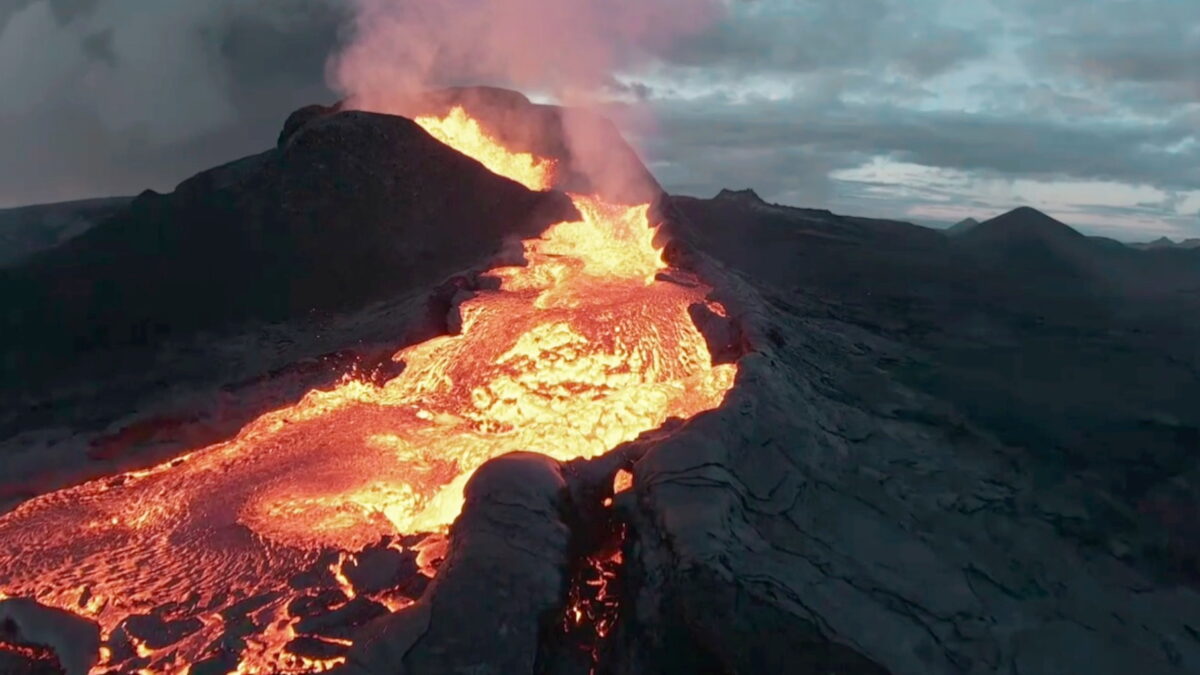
column 568, row 48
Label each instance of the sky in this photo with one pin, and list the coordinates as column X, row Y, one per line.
column 921, row 110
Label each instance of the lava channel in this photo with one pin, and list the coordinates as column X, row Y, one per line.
column 577, row 351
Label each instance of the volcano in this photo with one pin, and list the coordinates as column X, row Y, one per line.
column 579, row 343
column 487, row 406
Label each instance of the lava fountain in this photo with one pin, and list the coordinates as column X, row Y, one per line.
column 582, row 348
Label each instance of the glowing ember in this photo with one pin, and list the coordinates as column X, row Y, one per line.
column 576, row 352
column 622, row 481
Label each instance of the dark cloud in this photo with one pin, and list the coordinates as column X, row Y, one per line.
column 1008, row 145
column 98, row 47
column 103, row 97
column 787, row 37
column 1119, row 40
column 63, row 11
column 1153, row 44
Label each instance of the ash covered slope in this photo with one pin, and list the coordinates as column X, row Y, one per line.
column 27, row 230
column 922, row 468
column 1081, row 357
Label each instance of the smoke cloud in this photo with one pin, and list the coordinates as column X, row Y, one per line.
column 107, row 97
column 571, row 50
column 568, row 48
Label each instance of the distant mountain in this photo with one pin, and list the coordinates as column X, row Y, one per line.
column 776, row 221
column 1021, row 224
column 801, row 246
column 962, row 227
column 1031, row 243
column 1167, row 243
column 1161, row 242
column 29, row 229
column 747, row 196
column 1042, row 250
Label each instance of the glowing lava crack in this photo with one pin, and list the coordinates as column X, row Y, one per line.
column 574, row 353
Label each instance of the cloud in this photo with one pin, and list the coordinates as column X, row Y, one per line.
column 1152, row 42
column 789, row 150
column 104, row 96
column 1005, row 92
column 993, row 144
column 107, row 97
column 786, row 37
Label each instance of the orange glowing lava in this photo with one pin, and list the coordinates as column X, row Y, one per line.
column 578, row 351
column 463, row 133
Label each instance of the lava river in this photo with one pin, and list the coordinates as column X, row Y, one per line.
column 580, row 349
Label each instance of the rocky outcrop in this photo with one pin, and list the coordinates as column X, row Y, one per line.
column 73, row 641
column 499, row 587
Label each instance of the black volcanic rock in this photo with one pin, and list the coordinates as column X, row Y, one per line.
column 353, row 208
column 73, row 640
column 1060, row 357
column 340, row 622
column 901, row 481
column 993, row 322
column 300, row 118
column 497, row 591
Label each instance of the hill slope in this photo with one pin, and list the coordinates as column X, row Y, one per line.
column 351, row 207
column 29, row 229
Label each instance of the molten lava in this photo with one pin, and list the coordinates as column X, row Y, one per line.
column 463, row 133
column 577, row 351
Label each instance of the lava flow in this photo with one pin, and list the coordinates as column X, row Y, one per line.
column 223, row 552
